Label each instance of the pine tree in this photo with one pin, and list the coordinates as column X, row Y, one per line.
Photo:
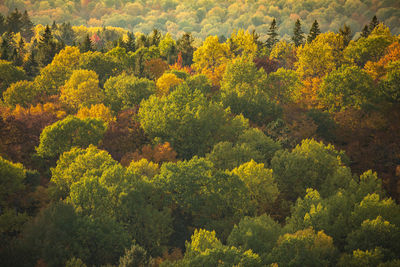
column 130, row 44
column 298, row 34
column 31, row 65
column 345, row 31
column 54, row 26
column 3, row 26
column 47, row 47
column 155, row 37
column 4, row 49
column 7, row 46
column 365, row 32
column 314, row 32
column 185, row 47
column 86, row 46
column 272, row 34
column 374, row 22
column 67, row 35
column 14, row 21
column 27, row 27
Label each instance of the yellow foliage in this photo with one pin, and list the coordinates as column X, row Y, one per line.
column 166, row 82
column 98, row 111
column 242, row 44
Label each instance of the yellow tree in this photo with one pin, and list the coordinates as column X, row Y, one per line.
column 81, row 90
column 98, row 111
column 166, row 82
column 211, row 59
column 241, row 43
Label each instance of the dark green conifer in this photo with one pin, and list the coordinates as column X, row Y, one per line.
column 345, row 31
column 298, row 34
column 27, row 27
column 14, row 21
column 272, row 34
column 87, row 45
column 314, row 32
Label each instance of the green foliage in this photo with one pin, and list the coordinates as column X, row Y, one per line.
column 305, row 247
column 188, row 121
column 104, row 65
column 71, row 131
column 253, row 144
column 20, row 93
column 258, row 234
column 9, row 74
column 210, row 200
column 310, row 165
column 127, row 91
column 347, row 87
column 136, row 256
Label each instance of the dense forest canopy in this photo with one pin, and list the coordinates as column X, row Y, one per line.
column 157, row 148
column 206, row 17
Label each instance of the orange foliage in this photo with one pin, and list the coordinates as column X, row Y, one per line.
column 158, row 154
column 309, row 93
column 179, row 65
column 155, row 67
column 377, row 70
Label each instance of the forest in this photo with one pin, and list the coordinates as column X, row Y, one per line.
column 208, row 17
column 150, row 149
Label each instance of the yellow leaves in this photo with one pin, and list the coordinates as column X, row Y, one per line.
column 166, row 82
column 68, row 57
column 98, row 111
column 242, row 44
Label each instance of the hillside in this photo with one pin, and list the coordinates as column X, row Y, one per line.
column 206, row 17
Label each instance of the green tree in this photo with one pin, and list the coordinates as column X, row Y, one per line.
column 71, row 131
column 27, row 26
column 81, row 90
column 345, row 31
column 127, row 91
column 9, row 74
column 305, row 247
column 21, row 93
column 168, row 49
column 14, row 21
column 258, row 234
column 185, row 47
column 310, row 165
column 260, row 183
column 314, row 32
column 272, row 34
column 136, row 256
column 104, row 65
column 347, row 87
column 298, row 34
column 86, row 45
column 47, row 48
column 188, row 121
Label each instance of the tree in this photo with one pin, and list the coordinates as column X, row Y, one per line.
column 374, row 22
column 104, row 65
column 167, row 82
column 304, row 247
column 71, row 131
column 284, row 53
column 14, row 21
column 283, row 86
column 9, row 74
column 98, row 111
column 186, row 120
column 298, row 34
column 320, row 166
column 185, row 47
column 67, row 34
column 47, row 47
column 260, row 183
column 314, row 32
column 27, row 27
column 347, row 87
column 242, row 44
column 258, row 234
column 31, row 65
column 86, row 45
column 23, row 93
column 136, row 256
column 345, row 31
column 168, row 49
column 127, row 91
column 272, row 34
column 204, row 198
column 81, row 90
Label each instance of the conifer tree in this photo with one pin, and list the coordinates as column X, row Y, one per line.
column 67, row 35
column 185, row 47
column 14, row 21
column 3, row 26
column 31, row 65
column 298, row 34
column 365, row 32
column 47, row 48
column 130, row 45
column 272, row 34
column 86, row 45
column 314, row 32
column 155, row 37
column 345, row 31
column 27, row 27
column 374, row 22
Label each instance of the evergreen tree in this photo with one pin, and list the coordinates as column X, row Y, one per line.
column 365, row 32
column 298, row 34
column 18, row 53
column 86, row 45
column 27, row 27
column 7, row 46
column 374, row 22
column 67, row 35
column 14, row 21
column 345, row 31
column 3, row 26
column 314, row 32
column 54, row 26
column 154, row 38
column 4, row 49
column 185, row 47
column 47, row 48
column 31, row 65
column 130, row 45
column 272, row 34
